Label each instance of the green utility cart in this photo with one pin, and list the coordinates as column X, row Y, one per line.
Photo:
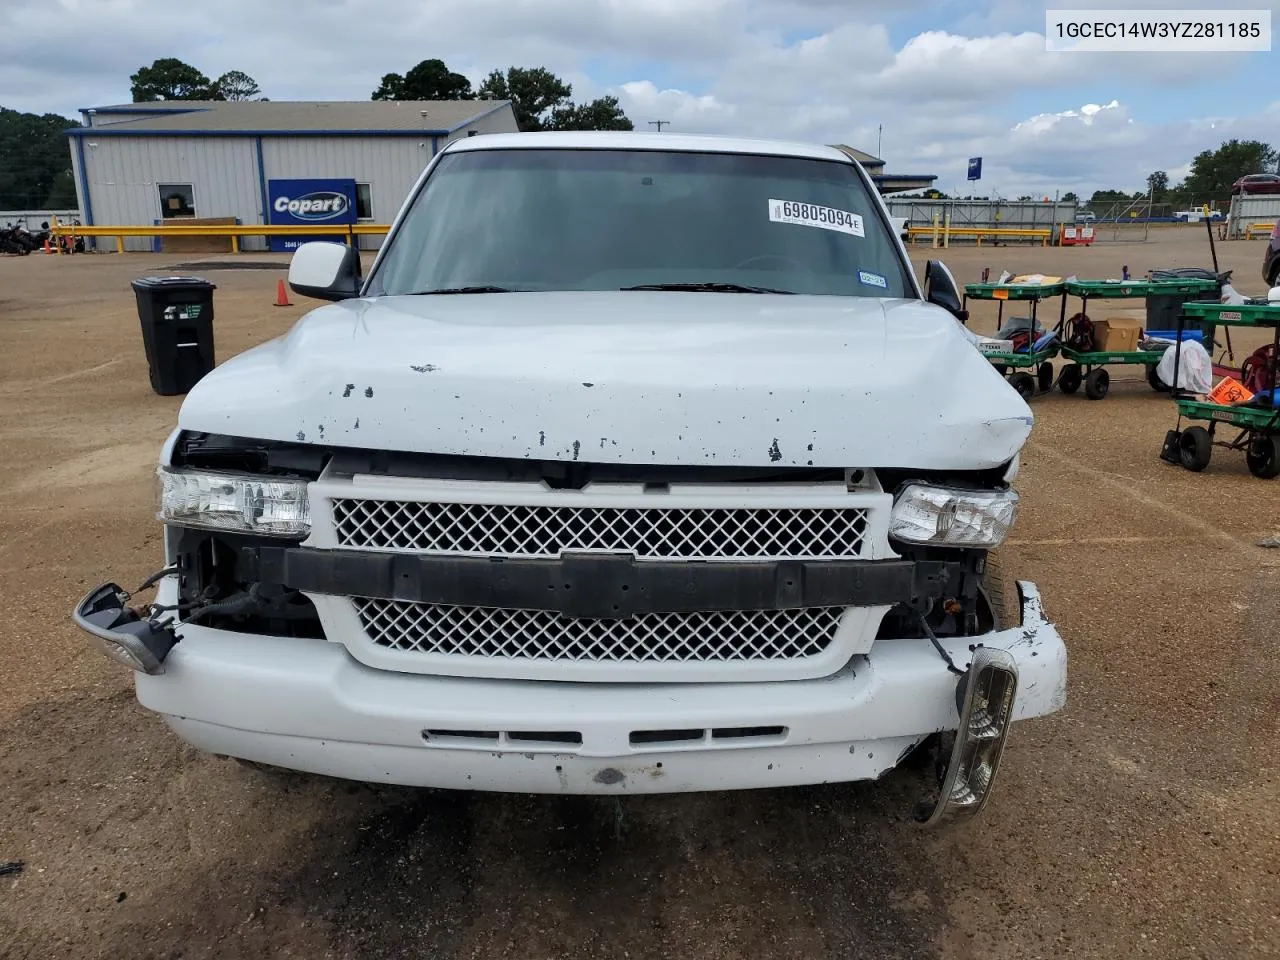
column 1088, row 290
column 1019, row 363
column 1014, row 366
column 1259, row 425
column 1089, row 367
column 1031, row 293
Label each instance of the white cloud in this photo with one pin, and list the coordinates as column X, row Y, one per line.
column 1083, row 149
column 1046, row 122
column 642, row 99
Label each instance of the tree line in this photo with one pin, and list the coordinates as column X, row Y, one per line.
column 170, row 79
column 35, row 163
column 1211, row 176
column 540, row 99
column 1208, row 182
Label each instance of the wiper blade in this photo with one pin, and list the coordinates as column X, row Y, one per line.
column 483, row 288
column 706, row 288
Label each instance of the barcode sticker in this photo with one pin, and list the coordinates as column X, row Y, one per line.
column 812, row 215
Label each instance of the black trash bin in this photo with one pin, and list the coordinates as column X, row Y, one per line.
column 177, row 330
column 1163, row 311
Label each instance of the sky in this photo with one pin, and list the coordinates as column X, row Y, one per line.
column 927, row 83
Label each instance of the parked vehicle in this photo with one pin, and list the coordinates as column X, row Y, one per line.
column 1197, row 216
column 1257, row 183
column 15, row 239
column 1271, row 259
column 637, row 464
column 1085, row 216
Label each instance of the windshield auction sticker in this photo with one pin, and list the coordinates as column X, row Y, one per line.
column 812, row 215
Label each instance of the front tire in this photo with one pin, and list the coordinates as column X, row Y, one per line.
column 1025, row 384
column 1097, row 384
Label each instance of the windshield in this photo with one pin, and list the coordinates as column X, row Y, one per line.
column 497, row 220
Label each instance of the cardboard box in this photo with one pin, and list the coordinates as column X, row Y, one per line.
column 1038, row 279
column 1115, row 334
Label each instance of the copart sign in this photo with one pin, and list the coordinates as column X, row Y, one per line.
column 321, row 205
column 310, row 202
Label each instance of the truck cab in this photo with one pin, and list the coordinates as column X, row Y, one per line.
column 635, row 464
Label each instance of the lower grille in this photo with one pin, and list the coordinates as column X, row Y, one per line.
column 731, row 636
column 651, row 533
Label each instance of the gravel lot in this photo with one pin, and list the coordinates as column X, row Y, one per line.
column 1138, row 823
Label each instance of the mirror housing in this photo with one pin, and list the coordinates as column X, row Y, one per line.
column 941, row 289
column 325, row 271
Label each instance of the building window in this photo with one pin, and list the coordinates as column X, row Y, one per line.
column 177, row 200
column 364, row 202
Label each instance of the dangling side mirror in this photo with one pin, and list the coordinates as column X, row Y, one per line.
column 940, row 288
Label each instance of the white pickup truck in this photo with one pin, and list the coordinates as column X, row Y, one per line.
column 636, row 464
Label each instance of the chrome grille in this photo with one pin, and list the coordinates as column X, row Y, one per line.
column 732, row 636
column 548, row 531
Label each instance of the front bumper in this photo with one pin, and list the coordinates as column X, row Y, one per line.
column 308, row 705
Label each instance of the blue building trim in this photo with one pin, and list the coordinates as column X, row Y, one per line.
column 111, row 131
column 480, row 116
column 86, row 204
column 262, row 181
column 904, row 176
column 435, row 145
column 143, row 108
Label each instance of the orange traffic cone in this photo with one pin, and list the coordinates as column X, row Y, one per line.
column 282, row 297
column 48, row 247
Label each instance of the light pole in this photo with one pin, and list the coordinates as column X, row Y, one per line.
column 659, row 124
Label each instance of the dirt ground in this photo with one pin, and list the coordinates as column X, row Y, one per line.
column 1141, row 822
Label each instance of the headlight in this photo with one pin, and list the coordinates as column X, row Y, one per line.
column 957, row 518
column 228, row 501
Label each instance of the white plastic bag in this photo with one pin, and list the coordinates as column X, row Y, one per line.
column 1230, row 296
column 1195, row 367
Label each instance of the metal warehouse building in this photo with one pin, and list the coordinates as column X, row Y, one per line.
column 254, row 162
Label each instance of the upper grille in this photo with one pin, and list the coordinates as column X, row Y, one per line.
column 548, row 531
column 738, row 635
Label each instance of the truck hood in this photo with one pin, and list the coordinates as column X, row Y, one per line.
column 626, row 377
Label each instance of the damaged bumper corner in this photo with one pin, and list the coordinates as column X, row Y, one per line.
column 986, row 695
column 306, row 704
column 121, row 633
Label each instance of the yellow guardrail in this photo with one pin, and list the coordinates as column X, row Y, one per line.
column 1255, row 228
column 348, row 231
column 233, row 231
column 942, row 233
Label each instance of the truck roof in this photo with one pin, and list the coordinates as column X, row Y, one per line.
column 626, row 140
